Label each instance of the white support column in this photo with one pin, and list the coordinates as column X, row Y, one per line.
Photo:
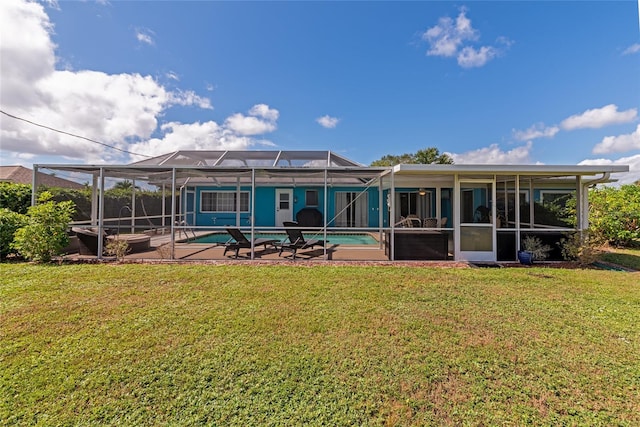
column 133, row 206
column 456, row 217
column 34, row 185
column 438, row 203
column 582, row 208
column 101, row 215
column 517, row 212
column 380, row 211
column 324, row 236
column 164, row 202
column 173, row 213
column 94, row 201
column 532, row 201
column 392, row 218
column 253, row 211
column 238, row 202
column 494, row 218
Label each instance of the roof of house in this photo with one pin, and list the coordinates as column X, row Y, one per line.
column 22, row 175
column 250, row 158
column 273, row 167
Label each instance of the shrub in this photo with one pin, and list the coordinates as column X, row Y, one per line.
column 584, row 249
column 10, row 222
column 533, row 244
column 118, row 248
column 614, row 214
column 45, row 233
column 15, row 197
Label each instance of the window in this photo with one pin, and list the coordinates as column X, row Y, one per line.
column 311, row 198
column 223, row 201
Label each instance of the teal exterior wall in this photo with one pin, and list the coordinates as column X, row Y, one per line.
column 265, row 200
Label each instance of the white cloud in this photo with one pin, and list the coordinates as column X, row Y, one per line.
column 634, row 48
column 195, row 136
column 623, row 178
column 328, row 121
column 264, row 111
column 451, row 38
column 470, row 57
column 620, row 143
column 110, row 108
column 145, row 35
column 262, row 119
column 445, row 38
column 599, row 117
column 248, row 125
column 538, row 130
column 173, row 76
column 494, row 155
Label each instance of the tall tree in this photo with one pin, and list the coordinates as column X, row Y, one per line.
column 425, row 156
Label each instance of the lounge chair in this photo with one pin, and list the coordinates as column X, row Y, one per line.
column 296, row 240
column 240, row 241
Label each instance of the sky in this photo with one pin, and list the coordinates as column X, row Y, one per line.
column 503, row 82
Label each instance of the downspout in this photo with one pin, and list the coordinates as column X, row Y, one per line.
column 585, row 199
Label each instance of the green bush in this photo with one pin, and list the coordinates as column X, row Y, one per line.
column 10, row 222
column 45, row 233
column 15, row 197
column 614, row 214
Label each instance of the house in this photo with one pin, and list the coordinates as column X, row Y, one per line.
column 458, row 212
column 22, row 175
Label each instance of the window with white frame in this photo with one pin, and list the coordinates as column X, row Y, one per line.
column 223, row 201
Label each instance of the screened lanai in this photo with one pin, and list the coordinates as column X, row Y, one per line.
column 413, row 212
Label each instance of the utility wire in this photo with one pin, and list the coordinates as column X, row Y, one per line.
column 74, row 135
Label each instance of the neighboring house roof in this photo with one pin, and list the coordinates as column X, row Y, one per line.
column 22, row 175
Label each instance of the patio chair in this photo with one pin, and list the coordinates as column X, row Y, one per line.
column 240, row 241
column 430, row 222
column 415, row 221
column 407, row 222
column 296, row 240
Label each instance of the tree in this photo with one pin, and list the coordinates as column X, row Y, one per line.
column 425, row 156
column 124, row 185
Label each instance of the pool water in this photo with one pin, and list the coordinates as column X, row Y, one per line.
column 333, row 238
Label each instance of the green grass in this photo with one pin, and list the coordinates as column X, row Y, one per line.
column 629, row 257
column 325, row 345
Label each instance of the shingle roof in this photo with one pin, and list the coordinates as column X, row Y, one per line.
column 22, row 175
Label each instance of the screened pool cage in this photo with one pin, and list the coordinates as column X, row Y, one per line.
column 445, row 212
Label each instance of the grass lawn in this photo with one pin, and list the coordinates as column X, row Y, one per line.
column 326, row 345
column 629, row 257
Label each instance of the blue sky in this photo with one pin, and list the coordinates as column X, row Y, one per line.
column 488, row 82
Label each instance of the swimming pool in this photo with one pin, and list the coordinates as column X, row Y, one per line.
column 333, row 238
